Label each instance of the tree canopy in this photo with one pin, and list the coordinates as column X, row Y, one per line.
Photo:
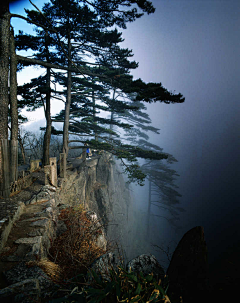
column 79, row 44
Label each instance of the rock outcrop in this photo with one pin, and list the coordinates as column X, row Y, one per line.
column 104, row 264
column 146, row 264
column 188, row 269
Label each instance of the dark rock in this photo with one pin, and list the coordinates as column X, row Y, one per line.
column 188, row 269
column 22, row 272
column 146, row 264
column 36, row 232
column 104, row 264
column 21, row 253
column 25, row 291
column 61, row 228
column 103, row 168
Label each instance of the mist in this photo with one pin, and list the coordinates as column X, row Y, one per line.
column 193, row 47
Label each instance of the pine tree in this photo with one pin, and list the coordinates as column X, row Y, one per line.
column 85, row 33
column 162, row 190
column 78, row 30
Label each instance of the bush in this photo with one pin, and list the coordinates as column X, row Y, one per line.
column 75, row 250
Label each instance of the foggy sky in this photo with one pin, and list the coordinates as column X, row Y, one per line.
column 193, row 47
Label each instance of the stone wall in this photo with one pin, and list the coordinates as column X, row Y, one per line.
column 25, row 178
column 96, row 184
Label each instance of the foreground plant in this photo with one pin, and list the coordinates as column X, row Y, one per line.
column 76, row 248
column 72, row 254
column 122, row 286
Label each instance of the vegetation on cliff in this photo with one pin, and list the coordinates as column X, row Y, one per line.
column 69, row 265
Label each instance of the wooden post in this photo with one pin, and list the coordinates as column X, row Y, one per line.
column 5, row 185
column 47, row 172
column 53, row 164
column 84, row 153
column 13, row 160
column 63, row 165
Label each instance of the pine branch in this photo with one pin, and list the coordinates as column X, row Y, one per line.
column 56, row 66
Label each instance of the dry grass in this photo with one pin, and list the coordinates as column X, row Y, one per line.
column 50, row 268
column 75, row 250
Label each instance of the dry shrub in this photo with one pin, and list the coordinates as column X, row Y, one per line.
column 75, row 249
column 51, row 269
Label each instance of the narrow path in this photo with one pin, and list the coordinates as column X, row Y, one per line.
column 32, row 222
column 27, row 223
column 8, row 206
column 14, row 253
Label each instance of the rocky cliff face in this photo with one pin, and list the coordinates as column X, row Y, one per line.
column 95, row 184
column 100, row 187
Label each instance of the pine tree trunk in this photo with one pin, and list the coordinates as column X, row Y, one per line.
column 13, row 89
column 112, row 114
column 14, row 111
column 4, row 68
column 22, row 148
column 94, row 114
column 68, row 102
column 47, row 135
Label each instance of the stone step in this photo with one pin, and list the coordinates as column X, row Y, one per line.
column 29, row 239
column 7, row 222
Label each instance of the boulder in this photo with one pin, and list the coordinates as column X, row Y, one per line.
column 43, row 196
column 36, row 232
column 41, row 223
column 22, row 275
column 25, row 291
column 146, row 264
column 102, row 265
column 188, row 269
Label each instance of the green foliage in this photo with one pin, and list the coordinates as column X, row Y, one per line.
column 152, row 92
column 128, row 155
column 121, row 286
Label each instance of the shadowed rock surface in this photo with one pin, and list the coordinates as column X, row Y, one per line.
column 146, row 264
column 188, row 269
column 104, row 264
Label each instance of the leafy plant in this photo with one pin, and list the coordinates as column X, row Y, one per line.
column 123, row 286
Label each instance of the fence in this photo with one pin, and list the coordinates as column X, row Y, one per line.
column 11, row 182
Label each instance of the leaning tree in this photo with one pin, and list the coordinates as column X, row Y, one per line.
column 70, row 33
